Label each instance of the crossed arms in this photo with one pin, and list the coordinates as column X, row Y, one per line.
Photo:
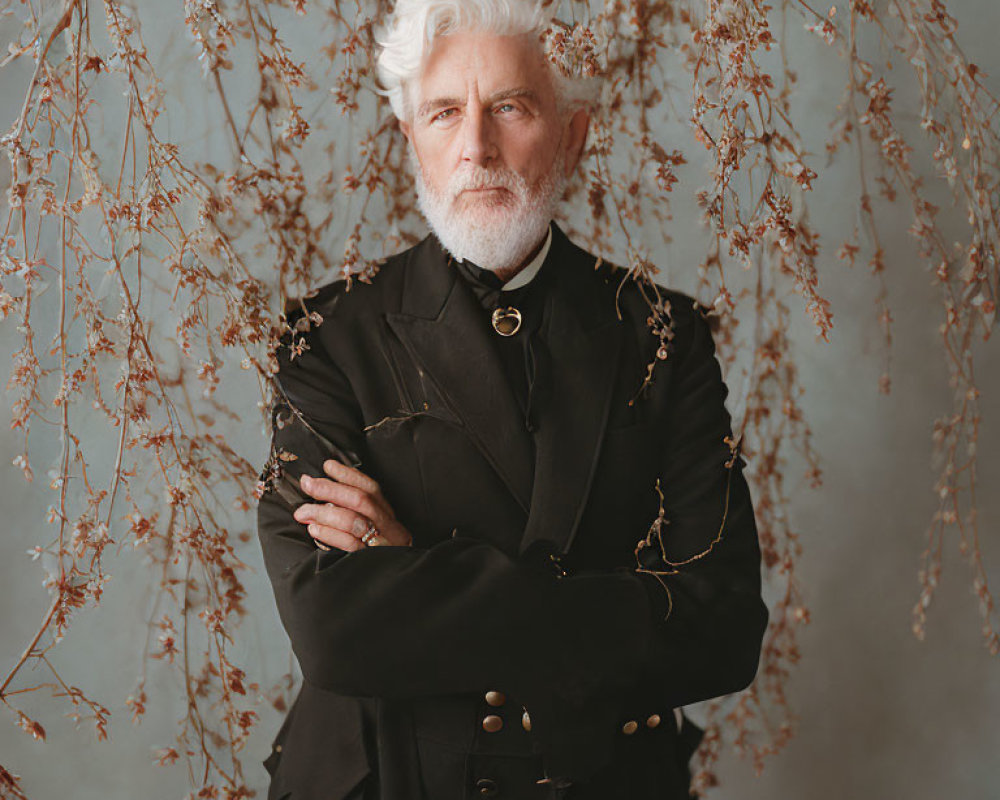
column 463, row 616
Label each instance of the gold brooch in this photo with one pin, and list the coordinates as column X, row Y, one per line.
column 506, row 321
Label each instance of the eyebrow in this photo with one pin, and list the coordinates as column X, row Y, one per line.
column 505, row 94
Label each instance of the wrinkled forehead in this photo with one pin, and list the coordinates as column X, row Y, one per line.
column 487, row 63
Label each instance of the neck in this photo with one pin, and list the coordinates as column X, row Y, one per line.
column 508, row 273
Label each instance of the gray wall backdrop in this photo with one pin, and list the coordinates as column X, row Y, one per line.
column 881, row 715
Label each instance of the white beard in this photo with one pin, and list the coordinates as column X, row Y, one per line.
column 497, row 230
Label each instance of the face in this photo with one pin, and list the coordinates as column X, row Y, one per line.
column 492, row 152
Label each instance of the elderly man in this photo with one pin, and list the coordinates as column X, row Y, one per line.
column 501, row 566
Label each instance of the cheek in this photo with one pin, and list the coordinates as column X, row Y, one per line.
column 532, row 155
column 434, row 172
column 434, row 150
column 433, row 183
column 430, row 162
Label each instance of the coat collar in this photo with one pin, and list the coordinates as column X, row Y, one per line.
column 446, row 331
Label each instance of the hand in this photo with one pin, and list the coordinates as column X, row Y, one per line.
column 350, row 500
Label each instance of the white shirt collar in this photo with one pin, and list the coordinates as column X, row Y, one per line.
column 528, row 271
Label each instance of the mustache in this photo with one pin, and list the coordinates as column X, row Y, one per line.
column 475, row 178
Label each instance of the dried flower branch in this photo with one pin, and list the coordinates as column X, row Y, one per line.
column 147, row 278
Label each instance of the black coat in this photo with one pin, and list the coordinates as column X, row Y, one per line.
column 399, row 645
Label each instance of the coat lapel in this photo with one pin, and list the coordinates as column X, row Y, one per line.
column 445, row 330
column 583, row 337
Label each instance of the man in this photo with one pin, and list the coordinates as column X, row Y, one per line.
column 501, row 567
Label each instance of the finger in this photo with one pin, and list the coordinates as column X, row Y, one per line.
column 349, row 475
column 324, row 489
column 342, row 473
column 346, row 496
column 315, row 487
column 332, row 516
column 332, row 537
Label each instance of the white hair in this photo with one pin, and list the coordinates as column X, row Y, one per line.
column 407, row 37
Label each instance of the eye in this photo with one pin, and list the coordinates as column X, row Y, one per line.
column 442, row 115
column 508, row 106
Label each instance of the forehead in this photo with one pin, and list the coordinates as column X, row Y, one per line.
column 489, row 62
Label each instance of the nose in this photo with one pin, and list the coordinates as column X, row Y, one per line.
column 478, row 143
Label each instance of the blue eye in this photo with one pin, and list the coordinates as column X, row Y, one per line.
column 442, row 114
column 506, row 105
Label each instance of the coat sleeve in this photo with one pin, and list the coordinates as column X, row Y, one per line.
column 701, row 561
column 462, row 615
column 700, row 566
column 398, row 622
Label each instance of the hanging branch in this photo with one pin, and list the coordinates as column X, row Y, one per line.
column 159, row 292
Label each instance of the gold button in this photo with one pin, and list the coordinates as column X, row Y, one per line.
column 526, row 721
column 653, row 720
column 506, row 321
column 495, row 698
column 277, row 748
column 630, row 727
column 492, row 723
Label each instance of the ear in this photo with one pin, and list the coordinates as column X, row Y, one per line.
column 407, row 129
column 576, row 138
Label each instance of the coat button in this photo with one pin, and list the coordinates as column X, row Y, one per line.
column 277, row 748
column 492, row 723
column 487, row 788
column 526, row 721
column 630, row 727
column 495, row 698
column 652, row 720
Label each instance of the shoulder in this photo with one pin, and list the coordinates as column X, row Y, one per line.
column 337, row 319
column 637, row 296
column 349, row 303
column 656, row 315
column 636, row 292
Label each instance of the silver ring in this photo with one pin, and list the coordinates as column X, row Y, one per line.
column 370, row 533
